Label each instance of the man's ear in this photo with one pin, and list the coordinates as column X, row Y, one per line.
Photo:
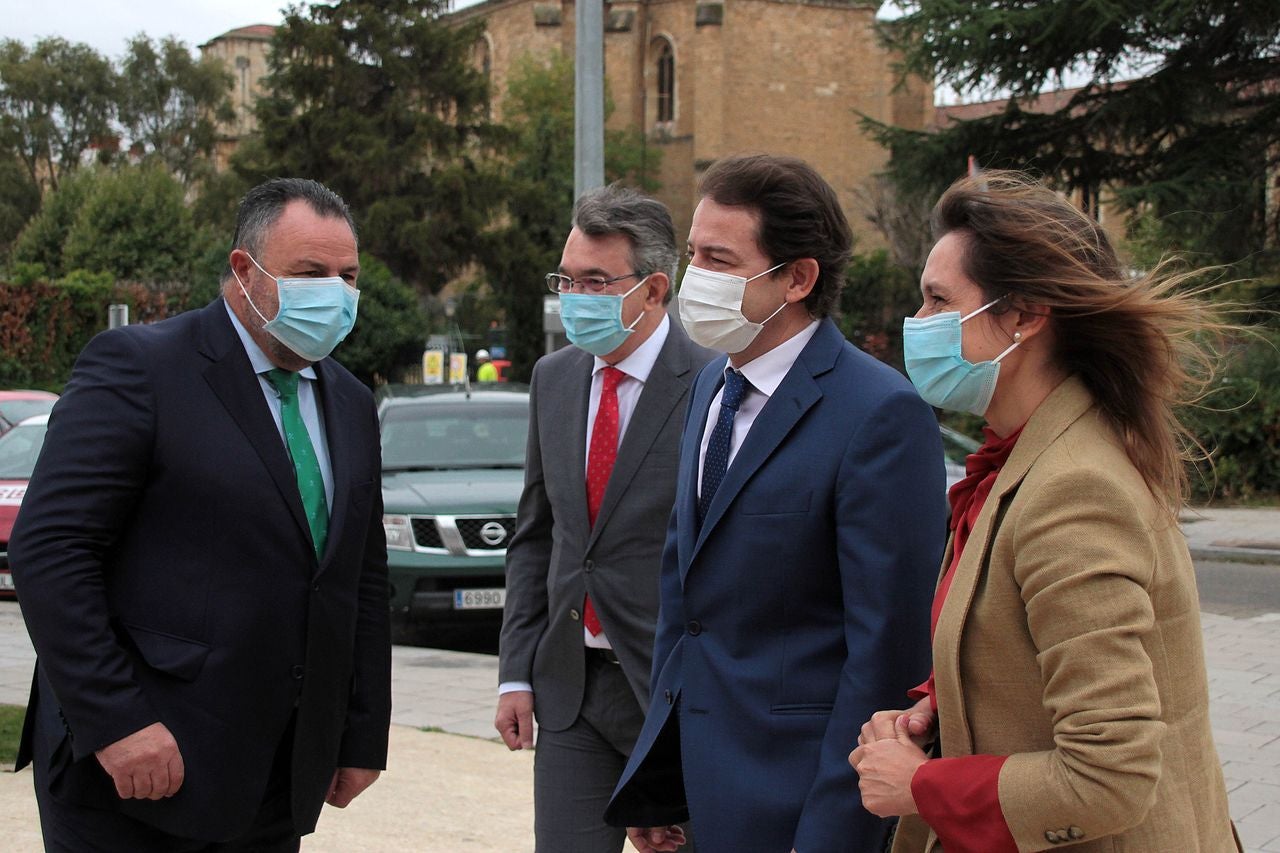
column 656, row 289
column 241, row 265
column 804, row 275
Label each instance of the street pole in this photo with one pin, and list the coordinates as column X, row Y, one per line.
column 588, row 97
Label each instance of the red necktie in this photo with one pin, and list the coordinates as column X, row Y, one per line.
column 600, row 459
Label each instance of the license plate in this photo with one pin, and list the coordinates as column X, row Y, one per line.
column 479, row 599
column 6, row 580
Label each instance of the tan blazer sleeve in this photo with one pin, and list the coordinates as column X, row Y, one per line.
column 1084, row 563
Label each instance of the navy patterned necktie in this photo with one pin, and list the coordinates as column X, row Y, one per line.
column 717, row 458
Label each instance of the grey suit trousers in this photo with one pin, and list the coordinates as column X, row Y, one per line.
column 575, row 770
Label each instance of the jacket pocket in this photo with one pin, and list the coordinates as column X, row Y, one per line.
column 802, row 708
column 170, row 654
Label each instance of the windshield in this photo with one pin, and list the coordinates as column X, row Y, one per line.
column 19, row 448
column 19, row 410
column 455, row 435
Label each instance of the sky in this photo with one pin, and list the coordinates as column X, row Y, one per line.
column 106, row 25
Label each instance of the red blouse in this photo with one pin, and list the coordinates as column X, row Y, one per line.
column 960, row 797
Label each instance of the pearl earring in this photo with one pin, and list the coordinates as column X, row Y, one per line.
column 1017, row 337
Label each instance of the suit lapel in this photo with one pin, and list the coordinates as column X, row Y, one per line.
column 338, row 423
column 690, row 450
column 565, row 399
column 232, row 379
column 798, row 393
column 662, row 391
column 1060, row 409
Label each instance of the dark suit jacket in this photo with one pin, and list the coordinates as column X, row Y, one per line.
column 166, row 573
column 556, row 556
column 799, row 608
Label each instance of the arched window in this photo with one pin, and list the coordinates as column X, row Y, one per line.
column 666, row 82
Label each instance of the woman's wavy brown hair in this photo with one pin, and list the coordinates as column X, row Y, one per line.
column 1144, row 344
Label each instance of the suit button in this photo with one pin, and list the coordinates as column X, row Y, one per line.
column 589, row 566
column 1075, row 833
column 695, row 628
column 315, row 587
column 575, row 615
column 666, row 694
column 297, row 671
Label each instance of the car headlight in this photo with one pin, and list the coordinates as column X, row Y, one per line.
column 399, row 532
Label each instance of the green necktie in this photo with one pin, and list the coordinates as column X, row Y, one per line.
column 305, row 465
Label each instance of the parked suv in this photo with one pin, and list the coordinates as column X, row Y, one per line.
column 452, row 472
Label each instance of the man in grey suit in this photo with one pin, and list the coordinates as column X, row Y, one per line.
column 582, row 568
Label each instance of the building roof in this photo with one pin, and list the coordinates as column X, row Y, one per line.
column 253, row 32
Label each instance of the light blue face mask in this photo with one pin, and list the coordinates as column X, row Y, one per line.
column 315, row 313
column 944, row 378
column 593, row 321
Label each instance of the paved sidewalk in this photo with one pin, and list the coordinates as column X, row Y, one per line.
column 456, row 790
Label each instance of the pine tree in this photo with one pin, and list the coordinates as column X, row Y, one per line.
column 1190, row 140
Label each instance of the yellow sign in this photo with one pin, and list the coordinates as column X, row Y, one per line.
column 457, row 367
column 432, row 367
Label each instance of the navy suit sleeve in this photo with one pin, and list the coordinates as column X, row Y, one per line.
column 364, row 739
column 890, row 523
column 525, row 616
column 87, row 481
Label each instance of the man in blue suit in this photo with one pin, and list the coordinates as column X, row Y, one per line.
column 201, row 561
column 803, row 546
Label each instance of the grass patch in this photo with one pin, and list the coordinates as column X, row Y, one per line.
column 10, row 730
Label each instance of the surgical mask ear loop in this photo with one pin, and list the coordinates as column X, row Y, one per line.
column 639, row 316
column 784, row 302
column 1017, row 339
column 246, row 293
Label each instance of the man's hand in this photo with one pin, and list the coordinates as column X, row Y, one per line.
column 514, row 720
column 348, row 783
column 656, row 839
column 145, row 765
column 885, row 769
column 921, row 725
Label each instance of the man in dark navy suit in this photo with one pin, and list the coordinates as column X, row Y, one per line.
column 201, row 561
column 806, row 536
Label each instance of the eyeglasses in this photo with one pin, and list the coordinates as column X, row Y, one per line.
column 558, row 283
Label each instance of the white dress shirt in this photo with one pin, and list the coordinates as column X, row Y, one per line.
column 311, row 415
column 764, row 374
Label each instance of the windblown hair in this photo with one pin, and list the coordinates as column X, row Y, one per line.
column 1144, row 344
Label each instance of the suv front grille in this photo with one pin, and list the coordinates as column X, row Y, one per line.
column 487, row 534
column 425, row 532
column 463, row 535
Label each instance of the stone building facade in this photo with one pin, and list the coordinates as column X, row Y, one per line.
column 708, row 78
column 244, row 52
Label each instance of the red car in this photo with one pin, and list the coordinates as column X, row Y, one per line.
column 19, row 405
column 19, row 448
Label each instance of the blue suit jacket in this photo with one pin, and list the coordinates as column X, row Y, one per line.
column 166, row 574
column 799, row 608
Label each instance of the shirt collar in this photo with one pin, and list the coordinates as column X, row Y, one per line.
column 765, row 372
column 640, row 363
column 258, row 358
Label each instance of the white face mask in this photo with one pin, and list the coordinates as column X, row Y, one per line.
column 711, row 309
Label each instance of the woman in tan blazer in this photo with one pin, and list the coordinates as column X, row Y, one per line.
column 1069, row 698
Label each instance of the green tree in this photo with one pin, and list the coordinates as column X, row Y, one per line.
column 1191, row 141
column 378, row 99
column 56, row 100
column 390, row 329
column 19, row 199
column 172, row 104
column 134, row 225
column 41, row 242
column 131, row 222
column 538, row 175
